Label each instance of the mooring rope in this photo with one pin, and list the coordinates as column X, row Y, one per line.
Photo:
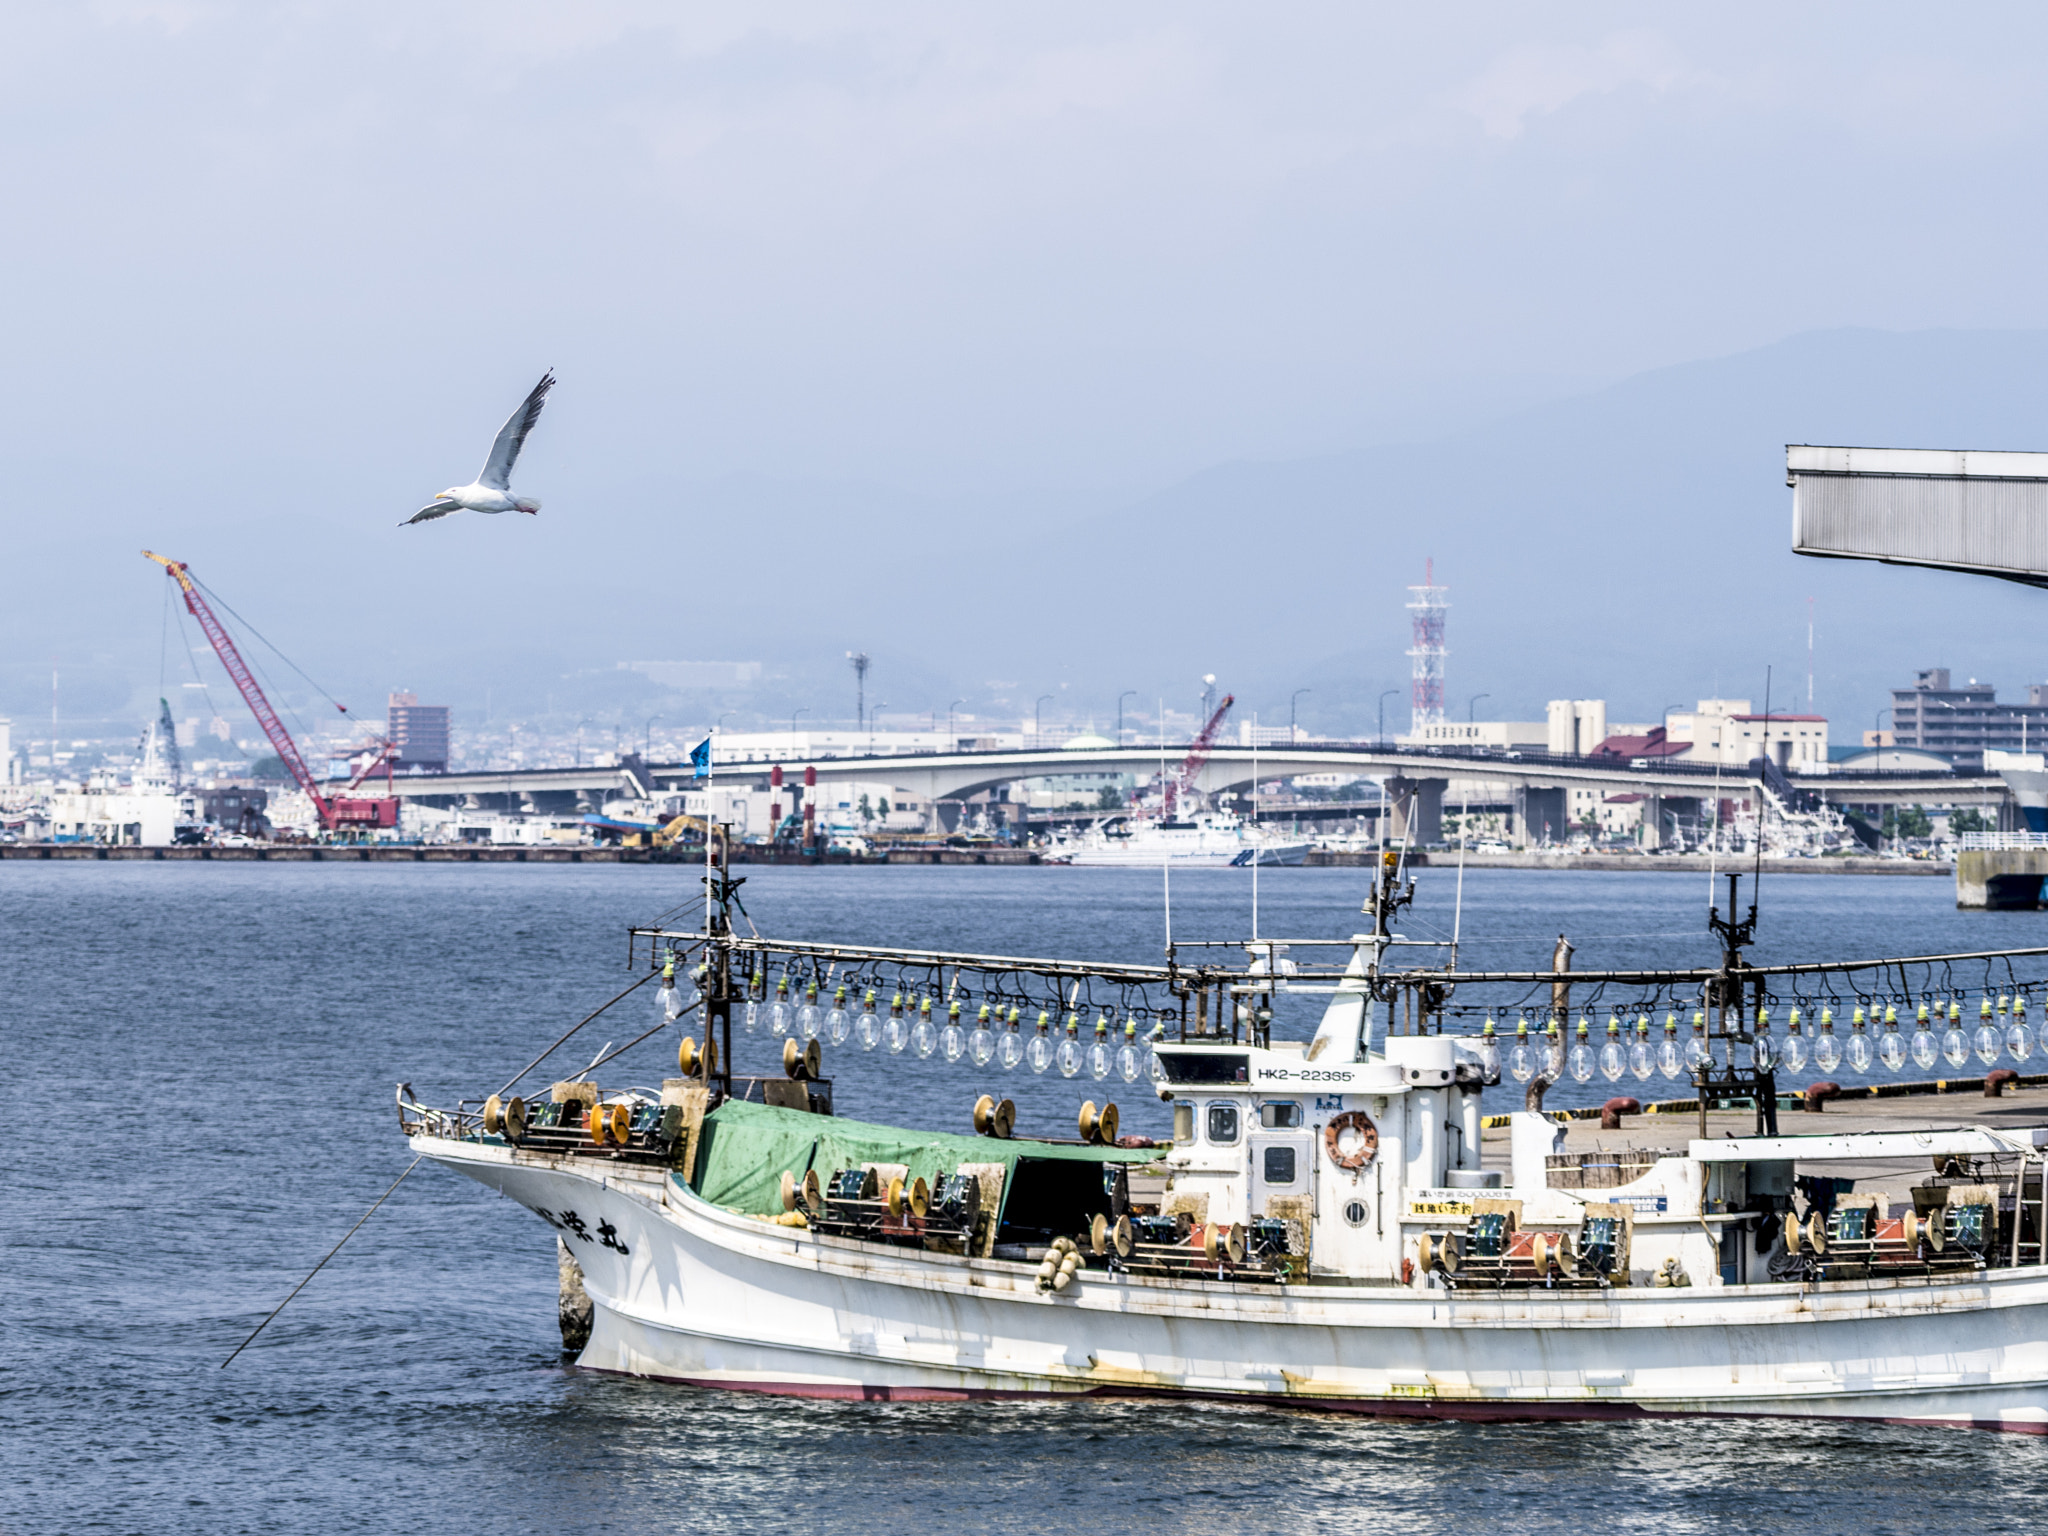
column 351, row 1232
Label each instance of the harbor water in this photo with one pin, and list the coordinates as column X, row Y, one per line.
column 202, row 1060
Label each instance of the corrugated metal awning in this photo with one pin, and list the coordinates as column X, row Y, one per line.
column 1949, row 509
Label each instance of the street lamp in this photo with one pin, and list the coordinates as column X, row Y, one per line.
column 1291, row 699
column 1038, row 718
column 719, row 724
column 952, row 740
column 1473, row 703
column 647, row 738
column 1390, row 693
column 1128, row 693
column 875, row 720
column 792, row 724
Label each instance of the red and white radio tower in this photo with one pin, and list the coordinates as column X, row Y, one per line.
column 1428, row 651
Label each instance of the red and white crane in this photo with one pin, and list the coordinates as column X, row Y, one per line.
column 1182, row 779
column 336, row 811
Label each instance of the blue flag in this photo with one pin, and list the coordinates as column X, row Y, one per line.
column 700, row 759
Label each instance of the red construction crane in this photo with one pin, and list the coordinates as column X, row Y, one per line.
column 335, row 811
column 1183, row 777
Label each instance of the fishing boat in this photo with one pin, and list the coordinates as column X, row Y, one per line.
column 1327, row 1226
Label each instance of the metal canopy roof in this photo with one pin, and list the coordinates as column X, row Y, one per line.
column 1985, row 513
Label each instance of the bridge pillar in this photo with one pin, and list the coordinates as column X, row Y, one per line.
column 1418, row 809
column 1539, row 813
column 2000, row 879
column 1653, row 823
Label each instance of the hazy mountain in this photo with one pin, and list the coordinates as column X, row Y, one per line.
column 1630, row 544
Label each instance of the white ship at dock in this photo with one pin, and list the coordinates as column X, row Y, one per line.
column 1321, row 1230
column 1205, row 840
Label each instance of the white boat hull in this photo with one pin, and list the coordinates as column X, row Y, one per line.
column 686, row 1291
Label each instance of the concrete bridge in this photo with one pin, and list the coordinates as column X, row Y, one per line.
column 1535, row 783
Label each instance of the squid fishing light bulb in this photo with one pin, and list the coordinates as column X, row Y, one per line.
column 1794, row 1047
column 1642, row 1059
column 1613, row 1058
column 1926, row 1049
column 1670, row 1054
column 1827, row 1050
column 1954, row 1044
column 1489, row 1052
column 896, row 1033
column 780, row 1015
column 1070, row 1055
column 1130, row 1058
column 1522, row 1058
column 1038, row 1050
column 667, row 1000
column 1582, row 1062
column 1891, row 1050
column 1698, row 1053
column 953, row 1038
column 1858, row 1052
column 838, row 1024
column 981, row 1045
column 810, row 1016
column 2019, row 1039
column 868, row 1029
column 1010, row 1049
column 924, row 1034
column 1101, row 1055
column 1989, row 1039
column 752, row 1012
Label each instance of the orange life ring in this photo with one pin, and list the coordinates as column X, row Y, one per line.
column 1368, row 1139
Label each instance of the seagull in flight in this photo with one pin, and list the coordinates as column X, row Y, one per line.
column 492, row 489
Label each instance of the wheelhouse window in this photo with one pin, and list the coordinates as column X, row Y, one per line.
column 1279, row 1165
column 1283, row 1116
column 1223, row 1123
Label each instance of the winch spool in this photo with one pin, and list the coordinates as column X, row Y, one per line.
column 494, row 1115
column 618, row 1123
column 1098, row 1126
column 695, row 1061
column 1106, row 1236
column 594, row 1124
column 1224, row 1241
column 916, row 1197
column 994, row 1117
column 802, row 1062
column 515, row 1120
column 1548, row 1248
column 1441, row 1250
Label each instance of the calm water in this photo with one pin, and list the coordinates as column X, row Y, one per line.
column 202, row 1059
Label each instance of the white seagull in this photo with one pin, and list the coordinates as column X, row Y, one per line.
column 492, row 491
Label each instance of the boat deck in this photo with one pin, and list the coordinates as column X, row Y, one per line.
column 2017, row 1111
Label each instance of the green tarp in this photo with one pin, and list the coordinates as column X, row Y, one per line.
column 748, row 1147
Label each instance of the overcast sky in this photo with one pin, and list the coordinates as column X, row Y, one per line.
column 274, row 273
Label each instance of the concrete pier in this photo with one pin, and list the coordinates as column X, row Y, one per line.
column 2000, row 879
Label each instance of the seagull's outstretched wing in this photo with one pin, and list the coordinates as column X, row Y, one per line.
column 497, row 470
column 429, row 513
